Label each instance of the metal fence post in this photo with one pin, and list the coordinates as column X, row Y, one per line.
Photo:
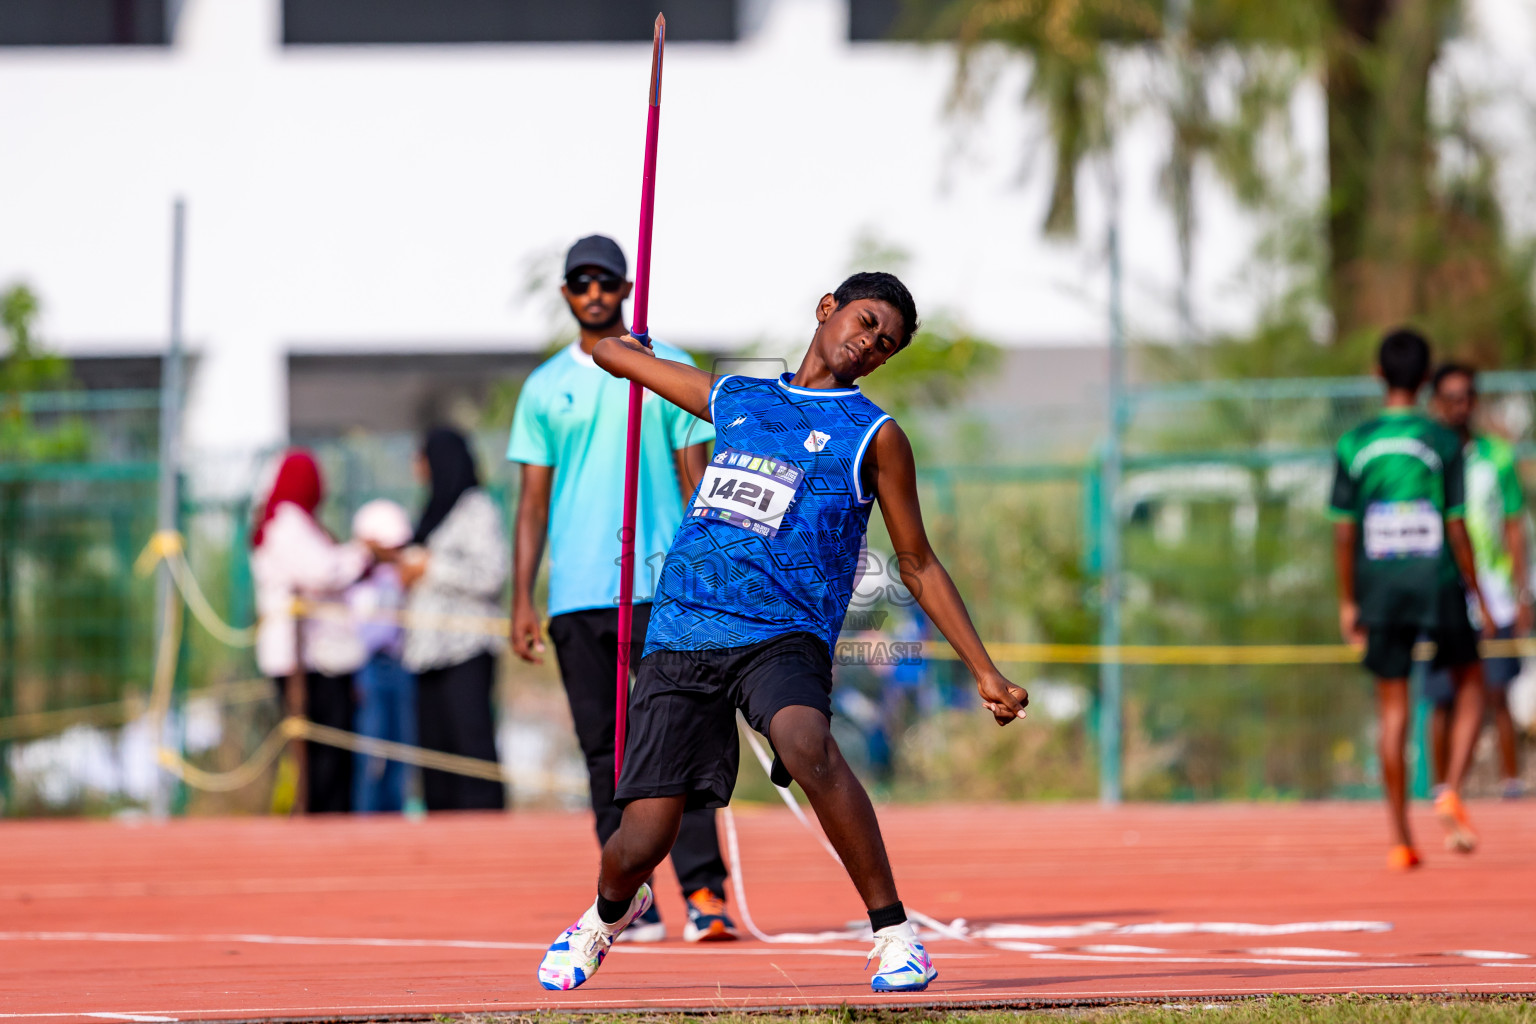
column 1110, row 679
column 169, row 503
column 10, row 513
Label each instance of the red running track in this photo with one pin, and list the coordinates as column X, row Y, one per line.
column 272, row 918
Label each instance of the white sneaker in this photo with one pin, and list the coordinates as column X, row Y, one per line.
column 904, row 963
column 579, row 951
column 648, row 927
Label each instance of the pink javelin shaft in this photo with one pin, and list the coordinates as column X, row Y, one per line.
column 641, row 329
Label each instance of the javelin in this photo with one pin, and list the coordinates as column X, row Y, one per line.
column 641, row 330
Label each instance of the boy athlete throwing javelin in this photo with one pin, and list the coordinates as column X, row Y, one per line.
column 749, row 604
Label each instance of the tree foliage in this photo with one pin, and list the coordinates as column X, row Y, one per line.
column 1399, row 239
column 27, row 367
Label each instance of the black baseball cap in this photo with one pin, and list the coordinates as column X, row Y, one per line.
column 597, row 251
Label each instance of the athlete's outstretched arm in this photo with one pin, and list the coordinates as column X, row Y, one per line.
column 686, row 387
column 894, row 476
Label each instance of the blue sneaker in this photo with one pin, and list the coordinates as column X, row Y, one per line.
column 579, row 951
column 707, row 919
column 904, row 963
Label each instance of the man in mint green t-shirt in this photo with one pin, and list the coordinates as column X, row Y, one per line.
column 569, row 432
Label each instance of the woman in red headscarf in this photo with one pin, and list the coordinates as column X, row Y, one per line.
column 294, row 558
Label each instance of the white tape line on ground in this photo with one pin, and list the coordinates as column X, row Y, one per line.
column 1298, row 951
column 1105, row 928
column 1021, row 947
column 1485, row 954
column 917, row 916
column 1044, row 931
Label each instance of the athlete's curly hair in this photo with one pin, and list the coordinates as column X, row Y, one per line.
column 887, row 288
column 1404, row 359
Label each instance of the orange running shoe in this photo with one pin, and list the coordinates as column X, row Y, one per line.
column 1459, row 837
column 1402, row 858
column 707, row 920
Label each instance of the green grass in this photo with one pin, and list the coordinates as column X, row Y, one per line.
column 1276, row 1010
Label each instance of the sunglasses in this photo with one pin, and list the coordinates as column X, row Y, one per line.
column 579, row 283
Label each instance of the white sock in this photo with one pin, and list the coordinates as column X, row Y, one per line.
column 901, row 931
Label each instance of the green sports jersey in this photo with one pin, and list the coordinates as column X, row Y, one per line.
column 1399, row 476
column 1493, row 495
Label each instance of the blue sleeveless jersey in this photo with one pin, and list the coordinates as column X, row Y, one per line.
column 770, row 541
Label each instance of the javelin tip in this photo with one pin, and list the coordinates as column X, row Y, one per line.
column 658, row 42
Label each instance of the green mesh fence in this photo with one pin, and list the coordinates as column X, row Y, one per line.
column 1225, row 541
column 75, row 622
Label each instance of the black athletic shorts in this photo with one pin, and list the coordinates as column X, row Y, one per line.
column 682, row 713
column 1389, row 648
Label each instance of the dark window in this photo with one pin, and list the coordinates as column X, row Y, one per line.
column 322, row 22
column 870, row 20
column 83, row 23
column 332, row 395
column 113, row 373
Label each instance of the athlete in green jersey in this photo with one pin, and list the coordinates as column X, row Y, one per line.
column 1398, row 504
column 1496, row 525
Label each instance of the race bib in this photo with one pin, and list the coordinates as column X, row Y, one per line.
column 1403, row 529
column 746, row 490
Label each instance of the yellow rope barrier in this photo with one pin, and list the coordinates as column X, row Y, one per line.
column 418, row 756
column 1013, row 653
column 1227, row 655
column 250, row 771
column 297, row 728
column 31, row 724
column 168, row 546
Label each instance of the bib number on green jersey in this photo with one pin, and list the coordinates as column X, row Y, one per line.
column 748, row 491
column 1403, row 529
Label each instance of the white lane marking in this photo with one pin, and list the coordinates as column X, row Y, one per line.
column 712, row 998
column 315, row 940
column 1113, row 948
column 1071, row 931
column 1485, row 954
column 273, row 940
column 1232, row 928
column 142, row 1018
column 1297, row 951
column 1212, row 960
